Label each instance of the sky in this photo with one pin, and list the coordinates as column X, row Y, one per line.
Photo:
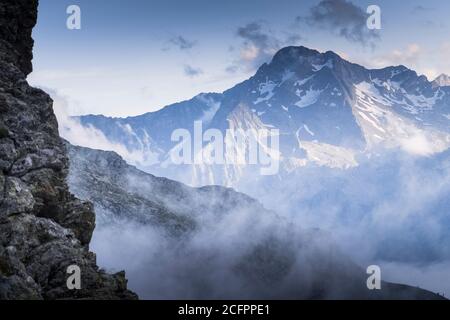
column 136, row 56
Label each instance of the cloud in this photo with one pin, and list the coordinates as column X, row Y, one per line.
column 431, row 73
column 294, row 38
column 342, row 18
column 418, row 144
column 443, row 64
column 181, row 43
column 259, row 44
column 421, row 9
column 409, row 56
column 232, row 69
column 390, row 211
column 429, row 276
column 146, row 92
column 445, row 49
column 253, row 33
column 191, row 71
column 90, row 137
column 428, row 61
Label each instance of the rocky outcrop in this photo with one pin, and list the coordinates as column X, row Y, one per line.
column 43, row 227
column 122, row 193
column 270, row 257
column 442, row 81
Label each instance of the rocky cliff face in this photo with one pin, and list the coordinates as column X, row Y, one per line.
column 43, row 227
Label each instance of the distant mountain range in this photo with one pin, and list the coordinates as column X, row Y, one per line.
column 328, row 112
column 177, row 241
column 210, row 242
column 442, row 81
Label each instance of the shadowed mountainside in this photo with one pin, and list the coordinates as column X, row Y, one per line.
column 184, row 239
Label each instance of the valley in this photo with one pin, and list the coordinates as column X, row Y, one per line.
column 350, row 139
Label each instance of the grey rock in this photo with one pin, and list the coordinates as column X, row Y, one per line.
column 17, row 198
column 43, row 227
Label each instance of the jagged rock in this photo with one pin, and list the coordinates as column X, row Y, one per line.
column 17, row 198
column 17, row 19
column 272, row 258
column 121, row 192
column 43, row 227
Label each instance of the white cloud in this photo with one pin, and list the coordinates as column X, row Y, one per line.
column 418, row 145
column 90, row 137
column 408, row 56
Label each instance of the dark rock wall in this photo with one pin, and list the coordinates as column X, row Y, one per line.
column 17, row 19
column 43, row 227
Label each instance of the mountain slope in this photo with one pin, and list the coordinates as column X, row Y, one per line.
column 178, row 242
column 43, row 228
column 442, row 81
column 122, row 192
column 327, row 111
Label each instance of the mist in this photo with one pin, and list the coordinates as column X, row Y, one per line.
column 391, row 210
column 238, row 256
column 324, row 228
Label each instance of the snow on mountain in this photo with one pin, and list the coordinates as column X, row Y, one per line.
column 442, row 81
column 327, row 111
column 147, row 224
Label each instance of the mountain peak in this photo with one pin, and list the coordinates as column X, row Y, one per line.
column 320, row 102
column 295, row 51
column 300, row 59
column 442, row 81
column 292, row 54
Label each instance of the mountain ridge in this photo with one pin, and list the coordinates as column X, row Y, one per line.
column 442, row 81
column 278, row 260
column 329, row 52
column 321, row 103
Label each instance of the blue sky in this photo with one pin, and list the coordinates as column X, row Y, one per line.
column 136, row 56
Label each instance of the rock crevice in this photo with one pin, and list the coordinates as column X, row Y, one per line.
column 43, row 227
